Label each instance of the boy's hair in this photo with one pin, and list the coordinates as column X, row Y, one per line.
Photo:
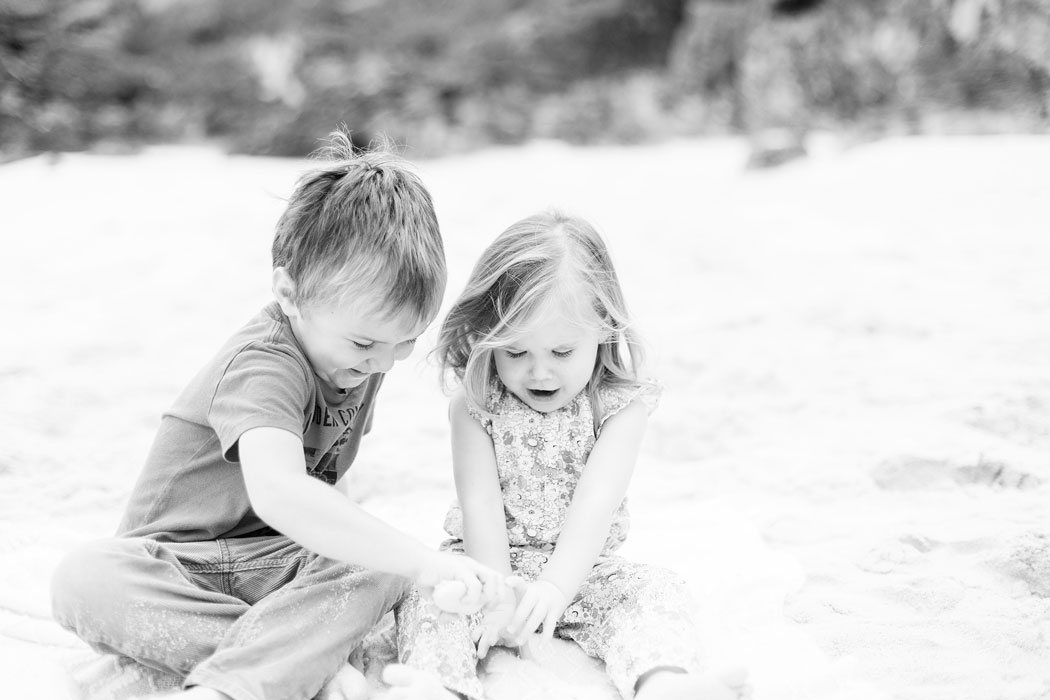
column 362, row 224
column 534, row 267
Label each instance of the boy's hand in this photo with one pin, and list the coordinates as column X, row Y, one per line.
column 451, row 597
column 539, row 602
column 458, row 580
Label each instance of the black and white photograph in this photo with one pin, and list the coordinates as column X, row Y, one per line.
column 525, row 349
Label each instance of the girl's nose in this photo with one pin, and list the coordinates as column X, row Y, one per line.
column 539, row 370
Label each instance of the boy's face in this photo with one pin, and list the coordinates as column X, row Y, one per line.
column 550, row 364
column 348, row 342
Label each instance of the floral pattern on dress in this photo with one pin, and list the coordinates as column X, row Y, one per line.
column 635, row 617
column 540, row 458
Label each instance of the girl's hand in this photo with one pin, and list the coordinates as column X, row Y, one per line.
column 492, row 629
column 539, row 602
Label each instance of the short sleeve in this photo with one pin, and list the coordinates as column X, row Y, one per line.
column 615, row 398
column 259, row 388
column 492, row 399
column 478, row 415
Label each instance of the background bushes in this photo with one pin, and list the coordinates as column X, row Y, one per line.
column 270, row 77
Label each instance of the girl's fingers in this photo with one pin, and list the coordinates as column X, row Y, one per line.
column 533, row 623
column 521, row 614
column 549, row 621
column 487, row 640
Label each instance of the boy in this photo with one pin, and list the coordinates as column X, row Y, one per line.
column 237, row 565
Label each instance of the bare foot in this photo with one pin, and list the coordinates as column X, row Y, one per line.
column 407, row 683
column 348, row 684
column 671, row 685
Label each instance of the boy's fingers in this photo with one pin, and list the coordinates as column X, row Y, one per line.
column 516, row 583
column 492, row 589
column 473, row 591
column 493, row 579
column 448, row 594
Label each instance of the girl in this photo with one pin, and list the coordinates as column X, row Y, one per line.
column 545, row 433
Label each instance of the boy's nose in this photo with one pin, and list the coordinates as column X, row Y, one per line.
column 382, row 361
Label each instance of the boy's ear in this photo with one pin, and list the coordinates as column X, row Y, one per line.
column 284, row 291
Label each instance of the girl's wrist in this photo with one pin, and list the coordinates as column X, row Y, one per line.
column 561, row 588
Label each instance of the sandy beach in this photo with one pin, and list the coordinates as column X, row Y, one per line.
column 851, row 461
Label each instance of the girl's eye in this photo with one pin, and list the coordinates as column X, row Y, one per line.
column 362, row 346
column 515, row 354
column 562, row 353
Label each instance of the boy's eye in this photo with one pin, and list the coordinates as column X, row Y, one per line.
column 562, row 353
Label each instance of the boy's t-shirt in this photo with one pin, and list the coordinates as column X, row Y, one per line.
column 191, row 487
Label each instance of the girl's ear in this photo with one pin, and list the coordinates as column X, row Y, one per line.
column 284, row 291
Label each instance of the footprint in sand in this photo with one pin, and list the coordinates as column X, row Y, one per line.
column 907, row 473
column 1024, row 419
column 892, row 555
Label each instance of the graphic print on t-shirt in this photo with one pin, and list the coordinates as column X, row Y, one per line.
column 329, row 431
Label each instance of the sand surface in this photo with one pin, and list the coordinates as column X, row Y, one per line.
column 851, row 463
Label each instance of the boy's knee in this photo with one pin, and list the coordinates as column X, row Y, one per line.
column 84, row 580
column 397, row 587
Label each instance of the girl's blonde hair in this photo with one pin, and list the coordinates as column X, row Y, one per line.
column 536, row 266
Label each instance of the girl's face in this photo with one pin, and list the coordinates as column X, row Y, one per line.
column 550, row 364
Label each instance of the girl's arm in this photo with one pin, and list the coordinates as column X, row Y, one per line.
column 478, row 489
column 601, row 489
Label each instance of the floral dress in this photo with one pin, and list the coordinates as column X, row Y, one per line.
column 634, row 617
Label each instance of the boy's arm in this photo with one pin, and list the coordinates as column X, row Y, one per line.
column 601, row 489
column 319, row 518
column 478, row 489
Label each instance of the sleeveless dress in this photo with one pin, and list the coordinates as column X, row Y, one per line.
column 634, row 617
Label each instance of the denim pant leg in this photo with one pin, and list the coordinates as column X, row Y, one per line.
column 290, row 642
column 134, row 597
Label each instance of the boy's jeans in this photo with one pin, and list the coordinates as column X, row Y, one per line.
column 257, row 618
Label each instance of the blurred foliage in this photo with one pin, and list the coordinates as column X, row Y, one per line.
column 270, row 77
